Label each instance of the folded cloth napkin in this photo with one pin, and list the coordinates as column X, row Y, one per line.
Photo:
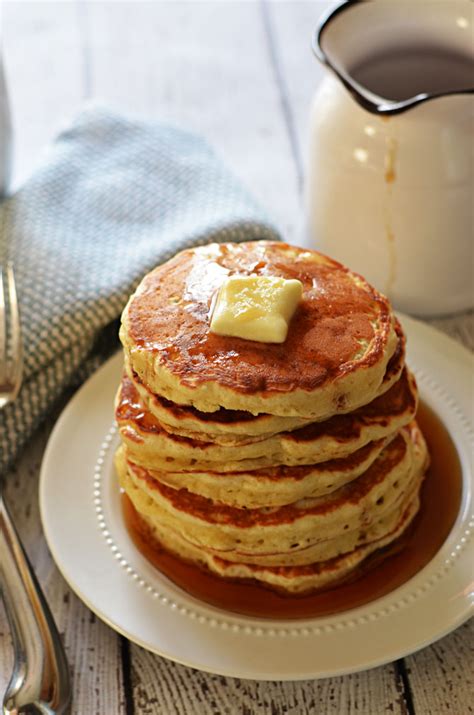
column 114, row 198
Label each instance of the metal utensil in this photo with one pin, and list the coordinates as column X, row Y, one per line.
column 40, row 681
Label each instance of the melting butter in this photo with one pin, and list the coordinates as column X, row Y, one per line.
column 256, row 307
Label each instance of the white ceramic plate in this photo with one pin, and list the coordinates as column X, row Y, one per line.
column 82, row 520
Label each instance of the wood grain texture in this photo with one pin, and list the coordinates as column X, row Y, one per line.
column 92, row 649
column 164, row 688
column 442, row 675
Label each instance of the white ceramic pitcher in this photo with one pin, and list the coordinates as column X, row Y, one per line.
column 391, row 161
column 5, row 130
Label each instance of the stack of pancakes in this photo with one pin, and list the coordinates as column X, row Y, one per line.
column 287, row 464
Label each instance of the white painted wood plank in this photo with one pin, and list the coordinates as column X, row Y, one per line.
column 204, row 66
column 44, row 69
column 294, row 23
column 442, row 676
column 93, row 650
column 164, row 688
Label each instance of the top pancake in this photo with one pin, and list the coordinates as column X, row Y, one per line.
column 334, row 359
column 233, row 426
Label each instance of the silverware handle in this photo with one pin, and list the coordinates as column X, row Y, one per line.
column 40, row 680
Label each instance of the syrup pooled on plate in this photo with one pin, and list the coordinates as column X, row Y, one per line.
column 383, row 572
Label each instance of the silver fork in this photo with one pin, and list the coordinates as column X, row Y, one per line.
column 40, row 682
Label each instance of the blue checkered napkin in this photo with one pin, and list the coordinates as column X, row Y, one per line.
column 114, row 198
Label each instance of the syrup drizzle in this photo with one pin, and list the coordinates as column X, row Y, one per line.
column 381, row 573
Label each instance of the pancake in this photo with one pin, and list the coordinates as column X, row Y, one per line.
column 230, row 426
column 334, row 359
column 274, row 486
column 151, row 446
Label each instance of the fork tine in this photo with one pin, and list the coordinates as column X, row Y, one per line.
column 15, row 331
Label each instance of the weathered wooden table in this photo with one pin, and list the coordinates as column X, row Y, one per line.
column 242, row 74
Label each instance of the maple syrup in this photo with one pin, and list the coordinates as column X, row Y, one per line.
column 381, row 573
column 410, row 70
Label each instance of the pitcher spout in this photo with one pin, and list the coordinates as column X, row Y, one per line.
column 392, row 56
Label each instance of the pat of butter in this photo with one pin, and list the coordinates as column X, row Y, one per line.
column 256, row 307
